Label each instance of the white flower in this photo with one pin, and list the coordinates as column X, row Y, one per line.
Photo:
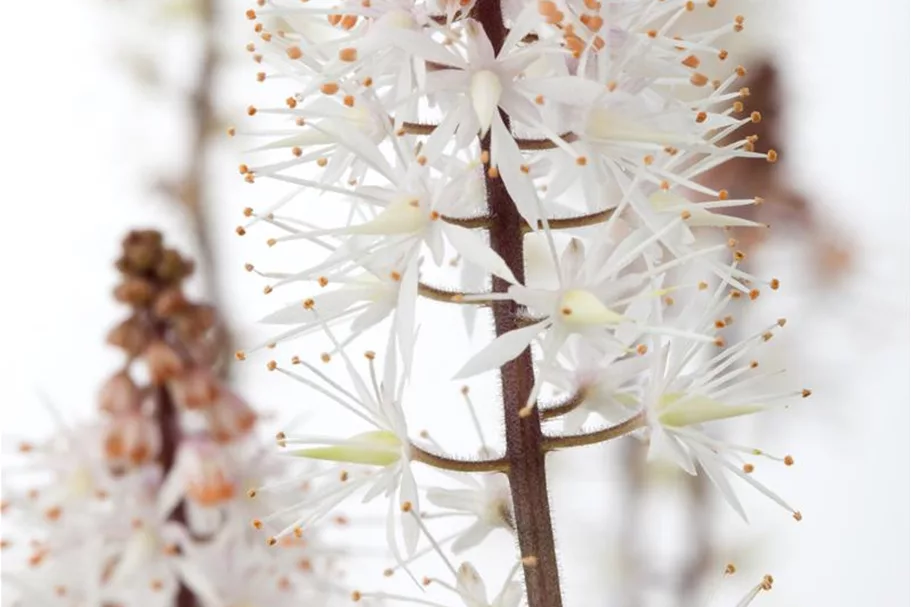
column 147, row 551
column 409, row 121
column 486, row 500
column 473, row 592
column 692, row 383
column 214, row 480
column 469, row 588
column 605, row 377
column 241, row 574
column 410, row 216
column 377, row 461
column 74, row 477
column 589, row 298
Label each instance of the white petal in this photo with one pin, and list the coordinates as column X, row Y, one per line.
column 511, row 596
column 371, row 316
column 411, row 531
column 662, row 445
column 757, row 485
column 581, row 308
column 473, row 249
column 610, row 125
column 485, row 91
column 508, row 159
column 453, row 499
column 440, row 137
column 571, row 90
column 709, row 463
column 361, row 145
column 404, row 314
column 501, row 350
column 470, row 585
column 471, row 537
column 539, row 265
column 172, row 488
column 201, row 585
column 423, row 46
column 327, row 303
column 203, row 521
column 400, row 217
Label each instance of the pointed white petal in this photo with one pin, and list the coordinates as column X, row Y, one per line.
column 476, row 533
column 709, row 463
column 485, row 92
column 470, row 585
column 411, row 531
column 201, row 584
column 510, row 597
column 662, row 445
column 501, row 350
column 474, row 250
column 508, row 159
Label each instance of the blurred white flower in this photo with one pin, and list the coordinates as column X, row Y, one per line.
column 486, row 500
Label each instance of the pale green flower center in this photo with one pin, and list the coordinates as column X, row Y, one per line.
column 580, row 307
column 377, row 448
column 403, row 216
column 79, row 484
column 678, row 409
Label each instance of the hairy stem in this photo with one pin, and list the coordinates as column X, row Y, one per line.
column 456, row 297
column 554, row 223
column 573, row 402
column 524, row 440
column 637, row 421
column 458, row 465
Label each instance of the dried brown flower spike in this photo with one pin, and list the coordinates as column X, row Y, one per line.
column 167, row 336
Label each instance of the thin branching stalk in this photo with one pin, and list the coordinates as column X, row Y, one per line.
column 551, row 443
column 458, row 465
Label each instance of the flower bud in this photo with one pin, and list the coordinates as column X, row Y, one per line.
column 196, row 389
column 119, row 395
column 134, row 291
column 141, row 251
column 207, row 474
column 130, row 335
column 170, row 302
column 131, row 441
column 172, row 267
column 163, row 362
column 230, row 417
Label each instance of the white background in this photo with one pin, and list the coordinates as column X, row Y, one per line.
column 80, row 144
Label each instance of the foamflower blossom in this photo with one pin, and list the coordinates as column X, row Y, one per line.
column 693, row 384
column 537, row 164
column 589, row 298
column 376, row 461
column 605, row 378
column 469, row 589
column 485, row 501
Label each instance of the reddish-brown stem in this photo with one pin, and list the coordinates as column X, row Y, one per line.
column 524, row 440
column 169, row 427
